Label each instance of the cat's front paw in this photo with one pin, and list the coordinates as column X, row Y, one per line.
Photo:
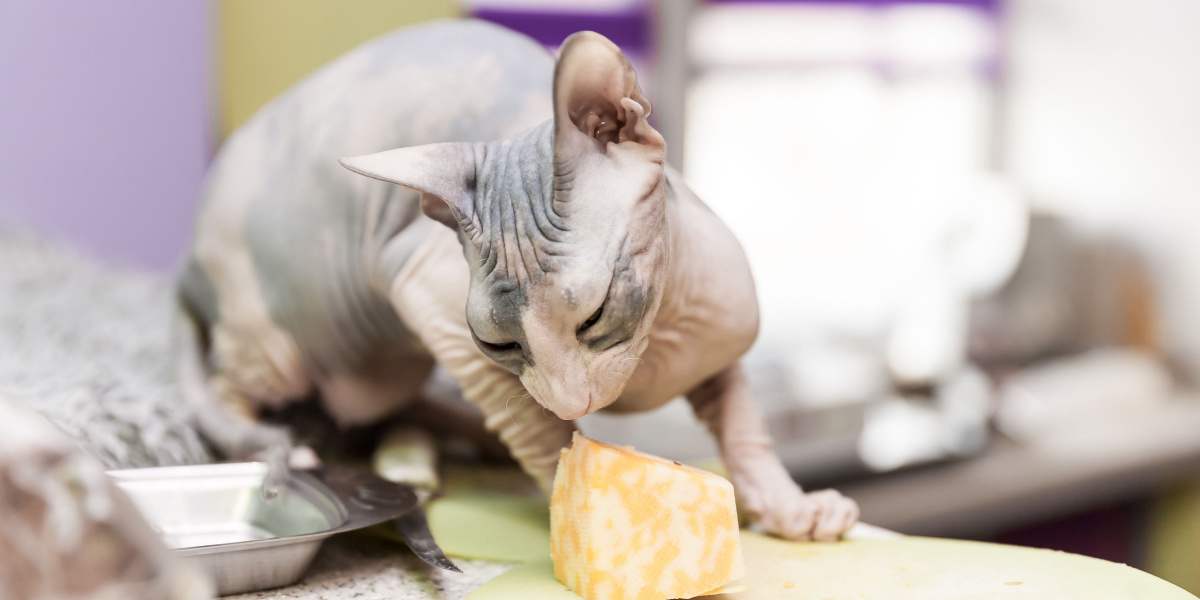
column 779, row 506
column 278, row 472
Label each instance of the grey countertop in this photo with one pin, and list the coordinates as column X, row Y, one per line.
column 367, row 568
column 1091, row 463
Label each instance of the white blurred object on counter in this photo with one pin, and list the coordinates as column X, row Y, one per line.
column 1105, row 384
column 852, row 160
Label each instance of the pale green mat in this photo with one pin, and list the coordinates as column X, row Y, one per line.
column 491, row 514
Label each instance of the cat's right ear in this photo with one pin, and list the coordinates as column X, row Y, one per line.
column 597, row 100
column 444, row 174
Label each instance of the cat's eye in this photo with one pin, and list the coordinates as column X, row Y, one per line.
column 500, row 348
column 592, row 320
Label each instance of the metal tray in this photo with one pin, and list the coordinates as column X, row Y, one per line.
column 216, row 516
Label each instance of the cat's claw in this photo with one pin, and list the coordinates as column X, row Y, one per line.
column 779, row 506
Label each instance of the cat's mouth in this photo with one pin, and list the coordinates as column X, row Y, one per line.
column 571, row 389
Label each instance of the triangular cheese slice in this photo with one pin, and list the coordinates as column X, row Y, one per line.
column 626, row 525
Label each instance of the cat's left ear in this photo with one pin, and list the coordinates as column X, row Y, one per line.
column 597, row 100
column 444, row 174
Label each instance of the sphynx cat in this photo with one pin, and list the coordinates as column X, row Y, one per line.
column 593, row 277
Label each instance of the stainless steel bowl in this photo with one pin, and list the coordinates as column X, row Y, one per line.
column 216, row 515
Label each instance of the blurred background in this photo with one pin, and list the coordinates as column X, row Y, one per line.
column 973, row 223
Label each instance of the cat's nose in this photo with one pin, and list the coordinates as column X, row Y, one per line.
column 575, row 410
column 565, row 396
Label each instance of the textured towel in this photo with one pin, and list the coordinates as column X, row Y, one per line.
column 87, row 346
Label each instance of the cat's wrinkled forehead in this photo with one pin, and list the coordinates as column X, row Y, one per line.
column 521, row 233
column 554, row 207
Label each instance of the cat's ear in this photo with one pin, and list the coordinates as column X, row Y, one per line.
column 597, row 100
column 444, row 174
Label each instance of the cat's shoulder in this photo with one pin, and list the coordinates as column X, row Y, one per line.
column 716, row 272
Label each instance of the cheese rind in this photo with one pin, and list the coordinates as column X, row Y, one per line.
column 627, row 525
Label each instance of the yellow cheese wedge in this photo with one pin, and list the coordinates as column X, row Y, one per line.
column 626, row 525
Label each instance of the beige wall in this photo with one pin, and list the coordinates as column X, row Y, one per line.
column 264, row 46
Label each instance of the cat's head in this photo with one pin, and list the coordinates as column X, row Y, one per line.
column 563, row 228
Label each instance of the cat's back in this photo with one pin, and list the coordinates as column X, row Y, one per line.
column 446, row 81
column 283, row 226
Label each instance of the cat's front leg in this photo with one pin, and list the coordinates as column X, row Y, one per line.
column 762, row 484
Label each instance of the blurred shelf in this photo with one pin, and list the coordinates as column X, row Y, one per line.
column 1098, row 462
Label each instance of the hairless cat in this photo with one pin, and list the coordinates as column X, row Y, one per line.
column 593, row 278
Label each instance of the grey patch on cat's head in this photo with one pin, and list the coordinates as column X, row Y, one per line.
column 564, row 229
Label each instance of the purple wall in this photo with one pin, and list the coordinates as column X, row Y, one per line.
column 104, row 122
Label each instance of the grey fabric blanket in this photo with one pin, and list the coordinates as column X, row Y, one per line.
column 88, row 346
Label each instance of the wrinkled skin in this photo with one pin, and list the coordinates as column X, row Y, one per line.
column 593, row 278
